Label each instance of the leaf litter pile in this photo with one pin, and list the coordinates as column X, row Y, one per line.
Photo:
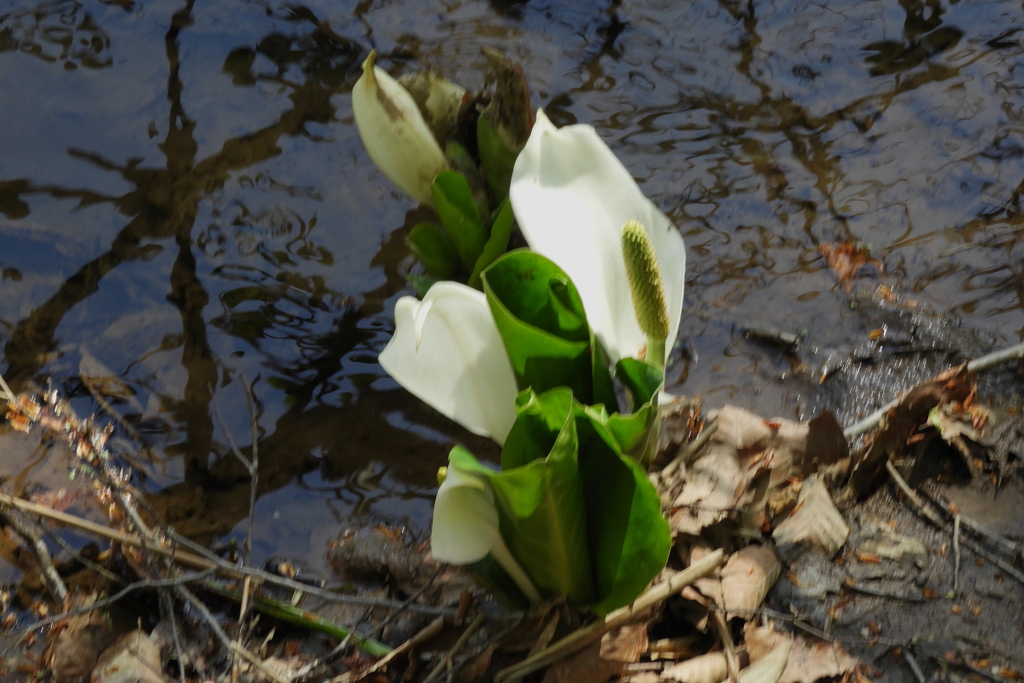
column 801, row 553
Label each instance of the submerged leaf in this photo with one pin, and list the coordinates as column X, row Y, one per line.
column 846, row 259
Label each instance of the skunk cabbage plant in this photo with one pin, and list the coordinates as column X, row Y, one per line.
column 572, row 199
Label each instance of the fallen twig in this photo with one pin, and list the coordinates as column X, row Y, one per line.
column 580, row 638
column 956, row 553
column 687, row 452
column 932, row 517
column 425, row 634
column 446, row 662
column 297, row 615
column 54, row 584
column 978, row 364
column 226, row 642
column 732, row 662
column 220, row 565
column 1016, row 549
column 912, row 663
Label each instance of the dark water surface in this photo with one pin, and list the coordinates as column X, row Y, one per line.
column 184, row 202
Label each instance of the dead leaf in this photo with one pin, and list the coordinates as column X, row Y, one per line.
column 807, row 662
column 478, row 666
column 79, row 643
column 846, row 259
column 720, row 480
column 769, row 668
column 601, row 660
column 133, row 658
column 746, row 579
column 709, row 668
column 625, row 644
column 815, row 521
column 900, row 422
column 884, row 542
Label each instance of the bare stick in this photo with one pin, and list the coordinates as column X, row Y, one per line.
column 428, row 632
column 168, row 605
column 976, row 365
column 582, row 637
column 218, row 564
column 7, row 394
column 446, row 663
column 226, row 642
column 918, row 674
column 689, row 450
column 732, row 663
column 932, row 517
column 54, row 584
column 977, row 527
column 956, row 553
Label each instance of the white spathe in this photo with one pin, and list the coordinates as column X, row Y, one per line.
column 571, row 197
column 447, row 351
column 465, row 527
column 394, row 132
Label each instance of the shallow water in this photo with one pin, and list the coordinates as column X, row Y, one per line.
column 185, row 204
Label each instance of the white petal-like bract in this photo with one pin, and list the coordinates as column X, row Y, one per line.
column 394, row 132
column 446, row 350
column 572, row 197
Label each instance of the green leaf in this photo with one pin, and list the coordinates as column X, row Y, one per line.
column 629, row 538
column 540, row 317
column 539, row 499
column 455, row 205
column 435, row 249
column 460, row 160
column 637, row 432
column 643, row 380
column 421, row 283
column 496, row 158
column 497, row 243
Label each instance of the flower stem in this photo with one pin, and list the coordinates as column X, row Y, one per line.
column 503, row 555
column 656, row 351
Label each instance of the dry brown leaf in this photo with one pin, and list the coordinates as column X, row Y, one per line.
column 899, row 424
column 845, row 260
column 720, row 480
column 709, row 668
column 770, row 667
column 808, row 661
column 815, row 519
column 603, row 659
column 478, row 666
column 746, row 579
column 133, row 658
column 625, row 644
column 79, row 643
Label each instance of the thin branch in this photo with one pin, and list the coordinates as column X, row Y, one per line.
column 582, row 637
column 689, row 450
column 99, row 604
column 220, row 565
column 932, row 517
column 446, row 663
column 226, row 642
column 6, row 394
column 18, row 522
column 168, row 605
column 983, row 363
